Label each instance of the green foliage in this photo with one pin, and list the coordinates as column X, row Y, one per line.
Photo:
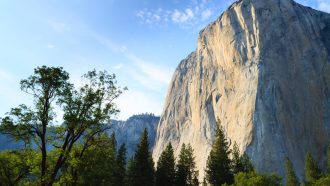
column 312, row 172
column 84, row 111
column 120, row 173
column 236, row 160
column 165, row 174
column 247, row 165
column 328, row 159
column 218, row 168
column 14, row 167
column 130, row 172
column 240, row 163
column 141, row 169
column 98, row 165
column 323, row 181
column 254, row 179
column 291, row 178
column 186, row 173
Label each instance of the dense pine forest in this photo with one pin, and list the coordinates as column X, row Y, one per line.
column 79, row 151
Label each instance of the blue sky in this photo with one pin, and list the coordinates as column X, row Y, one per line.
column 142, row 42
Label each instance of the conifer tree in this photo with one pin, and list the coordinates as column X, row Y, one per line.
column 236, row 160
column 130, row 172
column 240, row 163
column 121, row 165
column 328, row 158
column 195, row 181
column 142, row 170
column 113, row 142
column 247, row 165
column 165, row 174
column 311, row 169
column 186, row 174
column 218, row 168
column 291, row 178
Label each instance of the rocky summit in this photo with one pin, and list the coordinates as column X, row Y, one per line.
column 263, row 69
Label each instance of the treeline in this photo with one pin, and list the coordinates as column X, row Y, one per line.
column 79, row 152
column 104, row 163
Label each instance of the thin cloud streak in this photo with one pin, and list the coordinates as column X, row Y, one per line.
column 147, row 74
column 155, row 73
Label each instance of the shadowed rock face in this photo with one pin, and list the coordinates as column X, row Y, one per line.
column 263, row 69
column 130, row 131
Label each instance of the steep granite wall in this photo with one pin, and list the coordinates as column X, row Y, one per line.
column 263, row 69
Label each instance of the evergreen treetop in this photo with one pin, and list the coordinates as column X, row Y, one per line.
column 165, row 174
column 291, row 178
column 218, row 168
column 312, row 172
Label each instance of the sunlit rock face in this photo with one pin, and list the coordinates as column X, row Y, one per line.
column 263, row 69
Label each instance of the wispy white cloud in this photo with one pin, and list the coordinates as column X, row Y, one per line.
column 151, row 76
column 118, row 66
column 105, row 41
column 147, row 76
column 182, row 16
column 152, row 72
column 324, row 5
column 153, row 17
column 51, row 46
column 206, row 14
column 58, row 26
column 195, row 13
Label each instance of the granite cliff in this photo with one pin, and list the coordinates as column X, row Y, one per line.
column 263, row 69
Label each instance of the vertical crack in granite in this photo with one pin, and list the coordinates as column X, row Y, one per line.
column 263, row 69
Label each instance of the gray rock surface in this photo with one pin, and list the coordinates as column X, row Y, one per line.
column 129, row 131
column 263, row 69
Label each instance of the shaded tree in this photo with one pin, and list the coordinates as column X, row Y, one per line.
column 186, row 173
column 165, row 174
column 328, row 159
column 254, row 179
column 120, row 173
column 98, row 165
column 291, row 178
column 237, row 165
column 312, row 172
column 141, row 170
column 218, row 168
column 13, row 167
column 247, row 165
column 323, row 181
column 130, row 172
